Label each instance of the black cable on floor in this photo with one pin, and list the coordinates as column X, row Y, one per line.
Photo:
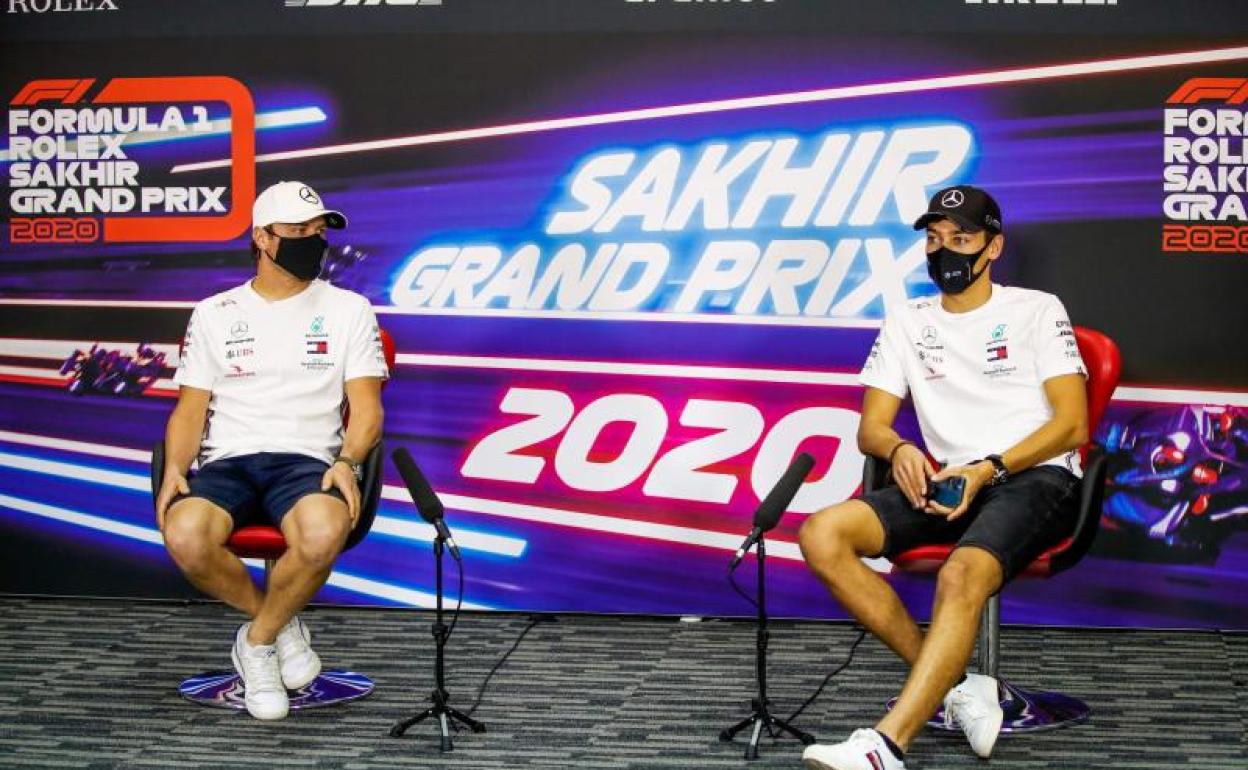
column 534, row 621
column 848, row 659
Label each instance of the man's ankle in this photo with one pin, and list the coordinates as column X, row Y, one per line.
column 258, row 640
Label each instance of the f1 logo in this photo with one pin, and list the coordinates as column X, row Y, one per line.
column 1228, row 90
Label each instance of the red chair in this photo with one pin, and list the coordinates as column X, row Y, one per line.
column 1027, row 711
column 224, row 689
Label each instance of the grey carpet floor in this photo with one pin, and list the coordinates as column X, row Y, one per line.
column 92, row 684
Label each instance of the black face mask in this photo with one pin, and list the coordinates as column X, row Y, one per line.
column 951, row 270
column 302, row 257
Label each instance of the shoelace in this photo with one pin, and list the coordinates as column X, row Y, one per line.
column 259, row 674
column 290, row 639
column 863, row 739
column 959, row 701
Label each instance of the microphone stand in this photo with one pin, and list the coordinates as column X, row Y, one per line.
column 447, row 717
column 760, row 717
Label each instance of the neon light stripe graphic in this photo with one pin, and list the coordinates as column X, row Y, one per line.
column 61, row 349
column 997, row 77
column 669, row 533
column 298, row 116
column 32, row 348
column 344, row 580
column 82, row 447
column 574, row 519
column 405, row 530
column 562, row 315
column 54, row 377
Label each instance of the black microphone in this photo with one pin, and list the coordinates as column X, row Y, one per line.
column 774, row 504
column 427, row 502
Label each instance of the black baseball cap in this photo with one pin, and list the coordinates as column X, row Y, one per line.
column 970, row 208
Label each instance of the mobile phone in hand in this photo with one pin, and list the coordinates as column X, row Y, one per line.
column 947, row 492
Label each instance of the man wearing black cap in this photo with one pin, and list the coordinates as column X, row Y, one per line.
column 265, row 371
column 998, row 387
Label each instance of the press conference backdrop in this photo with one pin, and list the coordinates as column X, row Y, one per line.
column 633, row 255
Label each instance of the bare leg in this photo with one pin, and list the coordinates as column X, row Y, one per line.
column 833, row 542
column 196, row 532
column 315, row 530
column 963, row 586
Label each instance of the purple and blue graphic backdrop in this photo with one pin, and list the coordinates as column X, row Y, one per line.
column 629, row 278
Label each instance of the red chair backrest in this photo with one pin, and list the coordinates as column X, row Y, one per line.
column 387, row 348
column 1104, row 364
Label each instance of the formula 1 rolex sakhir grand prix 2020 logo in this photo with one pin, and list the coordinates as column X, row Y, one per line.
column 1206, row 167
column 72, row 177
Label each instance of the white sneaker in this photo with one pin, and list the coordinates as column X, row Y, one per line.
column 975, row 706
column 262, row 681
column 865, row 750
column 298, row 661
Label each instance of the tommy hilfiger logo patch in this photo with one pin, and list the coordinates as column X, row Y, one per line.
column 998, row 353
column 318, row 347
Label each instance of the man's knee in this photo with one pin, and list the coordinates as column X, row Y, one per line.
column 320, row 531
column 837, row 532
column 970, row 574
column 193, row 531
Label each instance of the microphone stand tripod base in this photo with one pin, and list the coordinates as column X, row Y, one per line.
column 448, row 718
column 761, row 717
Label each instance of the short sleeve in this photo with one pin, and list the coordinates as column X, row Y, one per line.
column 196, row 367
column 883, row 369
column 1057, row 351
column 365, row 355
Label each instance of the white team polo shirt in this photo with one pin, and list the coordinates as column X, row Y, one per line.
column 277, row 370
column 977, row 378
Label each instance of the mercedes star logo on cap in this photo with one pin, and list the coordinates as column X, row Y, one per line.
column 953, row 199
column 309, row 196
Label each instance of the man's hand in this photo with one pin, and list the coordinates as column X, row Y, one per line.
column 911, row 470
column 341, row 476
column 171, row 486
column 976, row 475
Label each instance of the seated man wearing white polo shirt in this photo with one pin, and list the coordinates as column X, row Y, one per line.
column 265, row 371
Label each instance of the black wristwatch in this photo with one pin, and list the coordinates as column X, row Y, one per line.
column 355, row 467
column 1000, row 474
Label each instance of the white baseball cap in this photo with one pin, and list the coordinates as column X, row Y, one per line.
column 292, row 203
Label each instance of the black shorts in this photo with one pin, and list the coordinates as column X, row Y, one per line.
column 1015, row 522
column 259, row 488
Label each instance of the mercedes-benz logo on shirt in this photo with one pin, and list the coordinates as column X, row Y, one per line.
column 952, row 199
column 238, row 329
column 309, row 196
